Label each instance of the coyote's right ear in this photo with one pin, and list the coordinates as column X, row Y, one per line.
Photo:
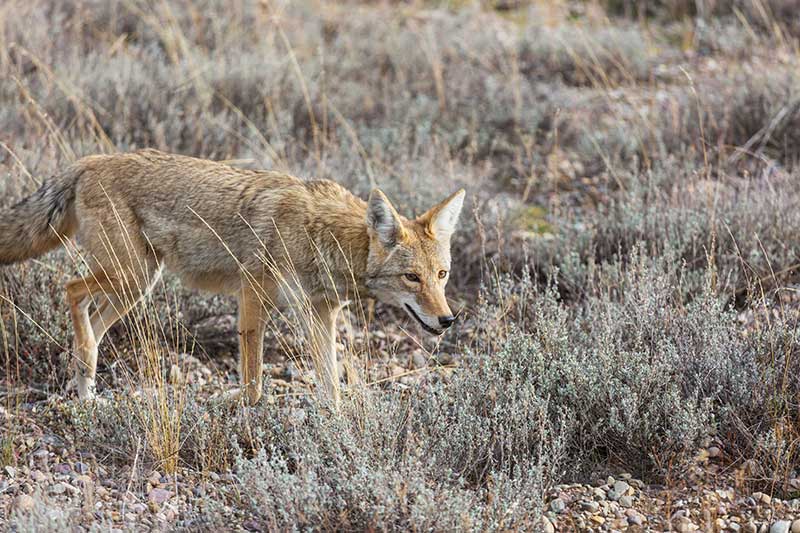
column 383, row 219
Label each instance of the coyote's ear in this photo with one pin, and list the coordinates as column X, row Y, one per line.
column 383, row 219
column 441, row 219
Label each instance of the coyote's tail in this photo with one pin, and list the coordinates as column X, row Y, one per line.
column 41, row 221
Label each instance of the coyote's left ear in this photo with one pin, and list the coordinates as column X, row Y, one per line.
column 441, row 219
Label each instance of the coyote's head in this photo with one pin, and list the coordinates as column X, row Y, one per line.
column 409, row 260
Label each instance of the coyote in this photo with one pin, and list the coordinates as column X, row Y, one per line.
column 269, row 238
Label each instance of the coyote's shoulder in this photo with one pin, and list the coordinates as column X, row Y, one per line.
column 265, row 236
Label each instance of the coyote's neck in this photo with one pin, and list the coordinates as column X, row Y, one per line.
column 344, row 241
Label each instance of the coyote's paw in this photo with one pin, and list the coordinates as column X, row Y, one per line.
column 236, row 395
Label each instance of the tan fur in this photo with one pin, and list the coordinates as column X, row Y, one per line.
column 269, row 238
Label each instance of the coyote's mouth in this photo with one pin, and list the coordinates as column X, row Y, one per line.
column 422, row 323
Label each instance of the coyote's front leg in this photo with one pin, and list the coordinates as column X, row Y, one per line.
column 253, row 302
column 322, row 337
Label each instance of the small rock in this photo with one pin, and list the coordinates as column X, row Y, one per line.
column 154, row 478
column 138, row 508
column 619, row 489
column 749, row 527
column 58, row 488
column 635, row 519
column 252, row 525
column 418, row 360
column 685, row 527
column 81, row 468
column 290, row 372
column 760, row 497
column 159, row 496
column 558, row 505
column 781, row 526
column 590, row 506
column 41, row 454
column 446, row 359
column 24, row 503
column 62, row 468
column 11, row 471
column 626, row 501
column 796, row 526
column 714, row 451
column 597, row 519
column 38, row 476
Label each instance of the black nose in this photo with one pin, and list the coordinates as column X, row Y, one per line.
column 446, row 321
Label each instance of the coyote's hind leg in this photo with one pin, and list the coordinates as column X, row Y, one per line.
column 113, row 299
column 80, row 293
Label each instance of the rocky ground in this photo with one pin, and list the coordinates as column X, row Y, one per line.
column 54, row 474
column 51, row 470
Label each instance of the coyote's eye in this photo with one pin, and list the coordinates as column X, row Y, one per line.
column 442, row 274
column 412, row 277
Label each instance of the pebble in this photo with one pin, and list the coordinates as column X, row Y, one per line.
column 159, row 496
column 714, row 451
column 558, row 505
column 41, row 454
column 547, row 525
column 635, row 519
column 626, row 501
column 81, row 468
column 62, row 468
column 591, row 506
column 685, row 527
column 38, row 476
column 155, row 478
column 11, row 471
column 781, row 526
column 766, row 499
column 418, row 360
column 58, row 488
column 619, row 489
column 796, row 526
